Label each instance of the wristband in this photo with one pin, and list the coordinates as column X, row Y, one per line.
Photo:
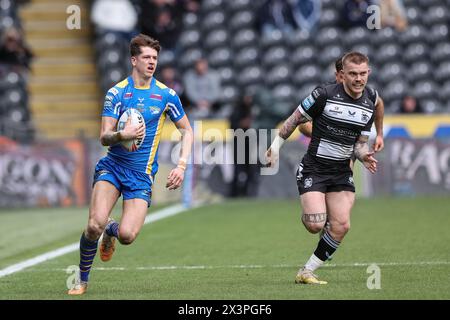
column 277, row 143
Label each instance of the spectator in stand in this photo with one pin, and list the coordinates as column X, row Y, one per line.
column 354, row 13
column 203, row 89
column 161, row 19
column 410, row 105
column 245, row 177
column 306, row 14
column 170, row 78
column 13, row 50
column 117, row 16
column 276, row 15
column 393, row 14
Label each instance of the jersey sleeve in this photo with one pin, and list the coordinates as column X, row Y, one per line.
column 366, row 130
column 175, row 110
column 373, row 94
column 312, row 106
column 111, row 106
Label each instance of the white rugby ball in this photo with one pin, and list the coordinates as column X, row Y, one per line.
column 136, row 118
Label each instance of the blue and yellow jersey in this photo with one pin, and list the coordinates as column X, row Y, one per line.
column 155, row 103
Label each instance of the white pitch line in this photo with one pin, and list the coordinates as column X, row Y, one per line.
column 204, row 267
column 158, row 215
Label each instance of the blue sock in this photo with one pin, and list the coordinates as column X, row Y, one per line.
column 88, row 249
column 112, row 229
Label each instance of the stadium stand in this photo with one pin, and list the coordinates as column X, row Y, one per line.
column 415, row 62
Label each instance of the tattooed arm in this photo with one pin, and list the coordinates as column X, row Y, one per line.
column 363, row 154
column 286, row 130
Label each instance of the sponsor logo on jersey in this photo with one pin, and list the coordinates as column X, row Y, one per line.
column 336, row 109
column 172, row 92
column 308, row 183
column 350, row 180
column 365, row 103
column 155, row 96
column 128, row 95
column 108, row 104
column 308, row 102
column 315, row 93
column 155, row 110
column 351, row 114
column 338, row 97
column 109, row 98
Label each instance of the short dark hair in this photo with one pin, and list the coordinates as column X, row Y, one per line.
column 338, row 64
column 143, row 40
column 355, row 57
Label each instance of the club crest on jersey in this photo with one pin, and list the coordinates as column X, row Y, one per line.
column 308, row 102
column 308, row 183
column 364, row 117
column 155, row 110
column 155, row 96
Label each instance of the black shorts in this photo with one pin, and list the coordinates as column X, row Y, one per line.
column 324, row 182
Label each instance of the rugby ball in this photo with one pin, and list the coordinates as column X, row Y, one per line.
column 136, row 118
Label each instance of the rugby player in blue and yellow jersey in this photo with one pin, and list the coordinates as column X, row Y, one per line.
column 131, row 173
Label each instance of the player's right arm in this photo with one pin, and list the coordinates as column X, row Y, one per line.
column 310, row 108
column 306, row 129
column 111, row 112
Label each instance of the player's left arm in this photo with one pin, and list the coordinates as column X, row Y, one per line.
column 181, row 121
column 379, row 115
column 363, row 154
column 306, row 129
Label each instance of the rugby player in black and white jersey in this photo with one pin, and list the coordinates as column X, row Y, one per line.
column 378, row 145
column 342, row 115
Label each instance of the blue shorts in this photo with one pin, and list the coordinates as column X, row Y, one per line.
column 132, row 184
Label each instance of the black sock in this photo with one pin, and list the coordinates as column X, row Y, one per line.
column 326, row 247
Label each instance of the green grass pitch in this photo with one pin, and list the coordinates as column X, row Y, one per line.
column 239, row 250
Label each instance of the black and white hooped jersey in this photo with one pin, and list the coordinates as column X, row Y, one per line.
column 338, row 121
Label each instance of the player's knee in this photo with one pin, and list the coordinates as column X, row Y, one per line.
column 340, row 229
column 127, row 237
column 314, row 223
column 94, row 229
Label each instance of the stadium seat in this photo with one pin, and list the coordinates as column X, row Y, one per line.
column 274, row 56
column 227, row 74
column 190, row 21
column 414, row 15
column 246, row 56
column 306, row 74
column 438, row 33
column 329, row 18
column 425, row 89
column 304, row 90
column 394, row 90
column 210, row 5
column 440, row 52
column 330, row 54
column 388, row 52
column 415, row 52
column 272, row 39
column 428, row 3
column 431, row 106
column 298, row 39
column 241, row 20
column 244, row 38
column 239, row 5
column 216, row 38
column 284, row 92
column 189, row 38
column 213, row 20
column 444, row 92
column 356, row 36
column 278, row 74
column 166, row 57
column 250, row 75
column 435, row 15
column 383, row 36
column 326, row 37
column 442, row 73
column 391, row 70
column 303, row 55
column 364, row 48
column 188, row 58
column 415, row 33
column 421, row 70
column 220, row 57
column 230, row 93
